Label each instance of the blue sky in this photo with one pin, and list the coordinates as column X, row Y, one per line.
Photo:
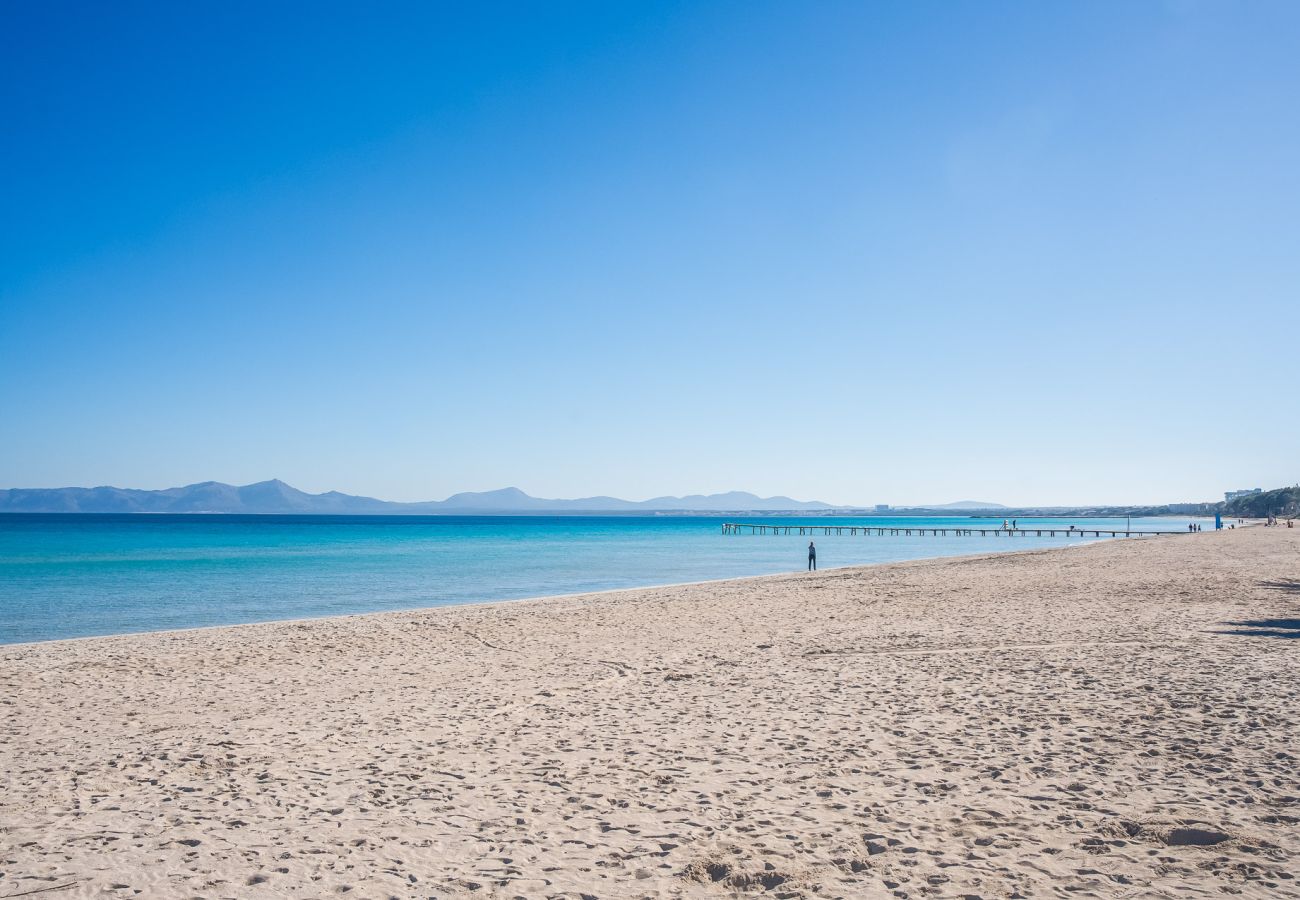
column 859, row 252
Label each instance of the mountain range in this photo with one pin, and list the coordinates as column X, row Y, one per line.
column 276, row 497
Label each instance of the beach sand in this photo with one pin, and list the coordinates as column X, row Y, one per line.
column 1120, row 719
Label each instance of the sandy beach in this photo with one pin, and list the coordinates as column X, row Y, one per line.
column 1120, row 719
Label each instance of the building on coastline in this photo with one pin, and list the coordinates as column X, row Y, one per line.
column 1191, row 509
column 1233, row 495
column 882, row 507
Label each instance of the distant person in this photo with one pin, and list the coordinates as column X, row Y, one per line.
column 1013, row 524
column 812, row 557
column 1005, row 526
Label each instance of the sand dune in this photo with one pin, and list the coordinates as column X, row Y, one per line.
column 1113, row 720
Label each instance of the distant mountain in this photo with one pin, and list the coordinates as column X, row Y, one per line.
column 969, row 504
column 512, row 499
column 733, row 500
column 277, row 498
column 208, row 496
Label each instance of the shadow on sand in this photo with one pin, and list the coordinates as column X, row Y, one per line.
column 1274, row 628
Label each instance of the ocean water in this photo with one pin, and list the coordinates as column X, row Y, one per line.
column 64, row 576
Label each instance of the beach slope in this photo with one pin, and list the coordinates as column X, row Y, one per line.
column 1112, row 720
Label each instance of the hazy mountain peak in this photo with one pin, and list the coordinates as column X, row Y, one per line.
column 274, row 497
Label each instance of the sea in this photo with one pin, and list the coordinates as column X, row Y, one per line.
column 69, row 575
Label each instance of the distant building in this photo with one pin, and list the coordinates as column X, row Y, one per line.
column 1190, row 508
column 882, row 507
column 1233, row 495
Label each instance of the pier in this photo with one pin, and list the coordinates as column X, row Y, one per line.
column 929, row 531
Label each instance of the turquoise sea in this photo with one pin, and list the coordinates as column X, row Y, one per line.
column 65, row 576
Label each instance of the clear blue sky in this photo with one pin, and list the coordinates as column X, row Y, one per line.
column 860, row 252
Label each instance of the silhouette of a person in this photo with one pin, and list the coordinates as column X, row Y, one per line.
column 812, row 557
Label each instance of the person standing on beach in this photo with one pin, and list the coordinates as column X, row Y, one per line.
column 812, row 557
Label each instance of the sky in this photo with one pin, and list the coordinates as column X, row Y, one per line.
column 908, row 252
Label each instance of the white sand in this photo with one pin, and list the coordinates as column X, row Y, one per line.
column 1048, row 724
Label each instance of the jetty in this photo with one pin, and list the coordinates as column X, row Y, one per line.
column 931, row 531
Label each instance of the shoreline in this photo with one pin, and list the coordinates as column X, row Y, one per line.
column 554, row 597
column 1031, row 722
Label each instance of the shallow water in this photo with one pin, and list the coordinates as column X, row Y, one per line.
column 67, row 576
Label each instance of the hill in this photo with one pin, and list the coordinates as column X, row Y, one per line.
column 274, row 497
column 1282, row 502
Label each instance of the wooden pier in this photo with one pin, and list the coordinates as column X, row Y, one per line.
column 927, row 531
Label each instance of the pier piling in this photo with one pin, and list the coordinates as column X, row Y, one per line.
column 906, row 531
